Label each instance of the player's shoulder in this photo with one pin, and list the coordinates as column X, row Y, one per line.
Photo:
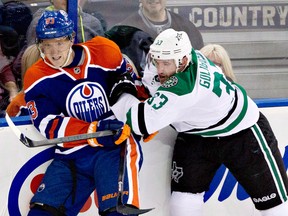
column 104, row 51
column 103, row 45
column 180, row 84
column 35, row 73
column 103, row 42
column 183, row 82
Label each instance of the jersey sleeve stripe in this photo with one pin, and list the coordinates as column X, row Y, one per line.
column 141, row 119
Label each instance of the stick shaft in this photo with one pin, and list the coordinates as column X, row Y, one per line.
column 37, row 143
column 34, row 143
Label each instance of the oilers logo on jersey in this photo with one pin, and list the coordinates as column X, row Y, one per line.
column 87, row 101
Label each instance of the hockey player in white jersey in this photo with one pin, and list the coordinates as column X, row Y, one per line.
column 217, row 124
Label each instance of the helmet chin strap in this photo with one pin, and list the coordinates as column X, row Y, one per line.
column 68, row 57
column 53, row 66
column 180, row 67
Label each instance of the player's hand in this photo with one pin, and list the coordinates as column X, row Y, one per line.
column 142, row 92
column 122, row 132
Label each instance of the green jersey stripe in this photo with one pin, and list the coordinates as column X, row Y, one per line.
column 234, row 123
column 271, row 162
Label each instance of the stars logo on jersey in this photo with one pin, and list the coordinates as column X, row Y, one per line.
column 87, row 101
column 172, row 81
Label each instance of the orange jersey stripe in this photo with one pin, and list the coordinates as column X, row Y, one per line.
column 134, row 154
column 82, row 128
column 52, row 129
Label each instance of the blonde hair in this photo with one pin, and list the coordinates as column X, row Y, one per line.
column 219, row 52
column 29, row 57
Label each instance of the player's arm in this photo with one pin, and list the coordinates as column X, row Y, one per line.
column 148, row 117
column 153, row 114
column 125, row 88
column 49, row 120
column 123, row 84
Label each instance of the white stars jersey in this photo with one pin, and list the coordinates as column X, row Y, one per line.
column 199, row 100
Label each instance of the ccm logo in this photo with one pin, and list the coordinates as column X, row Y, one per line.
column 265, row 198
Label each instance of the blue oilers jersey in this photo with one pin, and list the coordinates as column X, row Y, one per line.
column 63, row 102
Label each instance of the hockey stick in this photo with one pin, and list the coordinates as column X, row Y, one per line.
column 121, row 207
column 38, row 143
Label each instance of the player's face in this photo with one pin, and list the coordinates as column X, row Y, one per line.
column 153, row 6
column 56, row 50
column 165, row 69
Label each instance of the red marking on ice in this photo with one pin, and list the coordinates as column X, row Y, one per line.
column 36, row 182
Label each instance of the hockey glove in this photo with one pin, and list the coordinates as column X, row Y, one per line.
column 124, row 84
column 122, row 132
column 142, row 92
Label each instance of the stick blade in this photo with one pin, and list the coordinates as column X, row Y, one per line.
column 128, row 210
column 27, row 142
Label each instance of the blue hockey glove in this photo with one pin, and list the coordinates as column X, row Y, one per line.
column 122, row 132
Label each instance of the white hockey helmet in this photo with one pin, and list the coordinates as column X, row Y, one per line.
column 171, row 44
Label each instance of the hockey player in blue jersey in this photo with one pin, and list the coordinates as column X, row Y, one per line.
column 66, row 94
column 217, row 124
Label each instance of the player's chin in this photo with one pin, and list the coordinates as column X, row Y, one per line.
column 57, row 64
column 162, row 80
